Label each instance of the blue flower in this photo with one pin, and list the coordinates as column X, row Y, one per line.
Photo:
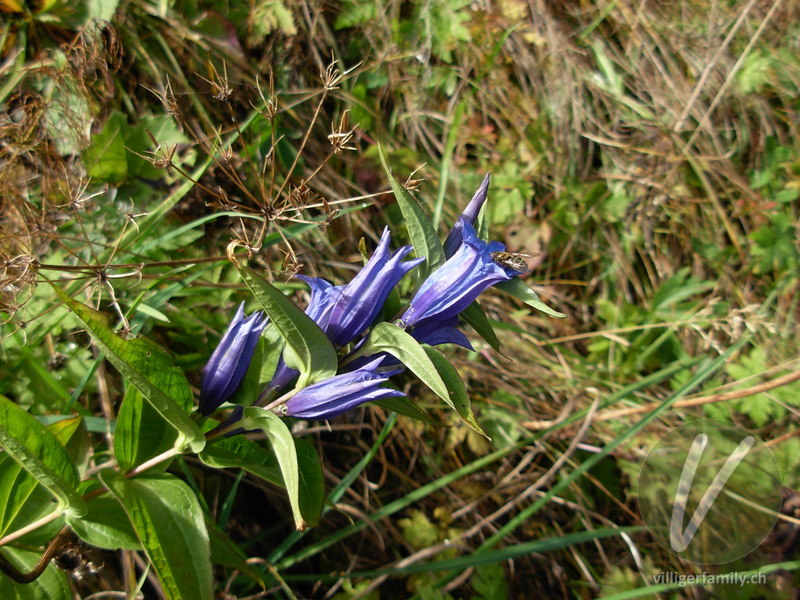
column 434, row 332
column 344, row 312
column 338, row 394
column 229, row 362
column 470, row 215
column 453, row 286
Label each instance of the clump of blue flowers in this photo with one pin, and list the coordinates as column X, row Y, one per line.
column 368, row 353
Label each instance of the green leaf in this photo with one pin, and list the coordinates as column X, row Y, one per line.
column 419, row 225
column 106, row 157
column 105, row 525
column 308, row 349
column 168, row 520
column 312, row 481
column 22, row 500
column 141, row 432
column 459, row 399
column 267, row 16
column 353, row 13
column 418, row 530
column 476, row 318
column 240, row 453
column 148, row 367
column 282, row 442
column 387, row 337
column 490, row 582
column 72, row 434
column 50, row 585
column 101, row 9
column 406, row 407
column 38, row 451
column 515, row 287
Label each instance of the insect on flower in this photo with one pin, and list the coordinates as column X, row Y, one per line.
column 462, row 278
column 512, row 260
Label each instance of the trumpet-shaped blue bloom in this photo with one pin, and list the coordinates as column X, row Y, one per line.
column 453, row 286
column 470, row 215
column 338, row 394
column 343, row 312
column 229, row 362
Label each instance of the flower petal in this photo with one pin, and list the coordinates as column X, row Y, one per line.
column 453, row 286
column 229, row 362
column 341, row 393
column 470, row 215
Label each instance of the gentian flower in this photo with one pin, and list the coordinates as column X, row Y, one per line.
column 338, row 394
column 229, row 362
column 470, row 215
column 344, row 312
column 434, row 332
column 453, row 286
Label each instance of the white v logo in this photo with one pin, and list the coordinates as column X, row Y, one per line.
column 678, row 539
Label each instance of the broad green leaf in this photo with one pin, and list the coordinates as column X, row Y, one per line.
column 476, row 318
column 148, row 367
column 240, row 453
column 312, row 481
column 459, row 399
column 93, row 424
column 106, row 157
column 50, row 585
column 308, row 349
column 72, row 434
column 282, row 442
column 105, row 525
column 22, row 499
column 141, row 433
column 515, row 287
column 168, row 520
column 406, row 407
column 387, row 337
column 38, row 451
column 419, row 225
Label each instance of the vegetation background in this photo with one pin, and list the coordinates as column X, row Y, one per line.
column 645, row 154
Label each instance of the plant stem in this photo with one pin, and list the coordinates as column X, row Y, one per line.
column 148, row 464
column 31, row 527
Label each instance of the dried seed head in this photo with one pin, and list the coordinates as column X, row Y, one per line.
column 300, row 195
column 161, row 157
column 269, row 105
column 340, row 136
column 331, row 77
column 412, row 184
column 220, row 85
